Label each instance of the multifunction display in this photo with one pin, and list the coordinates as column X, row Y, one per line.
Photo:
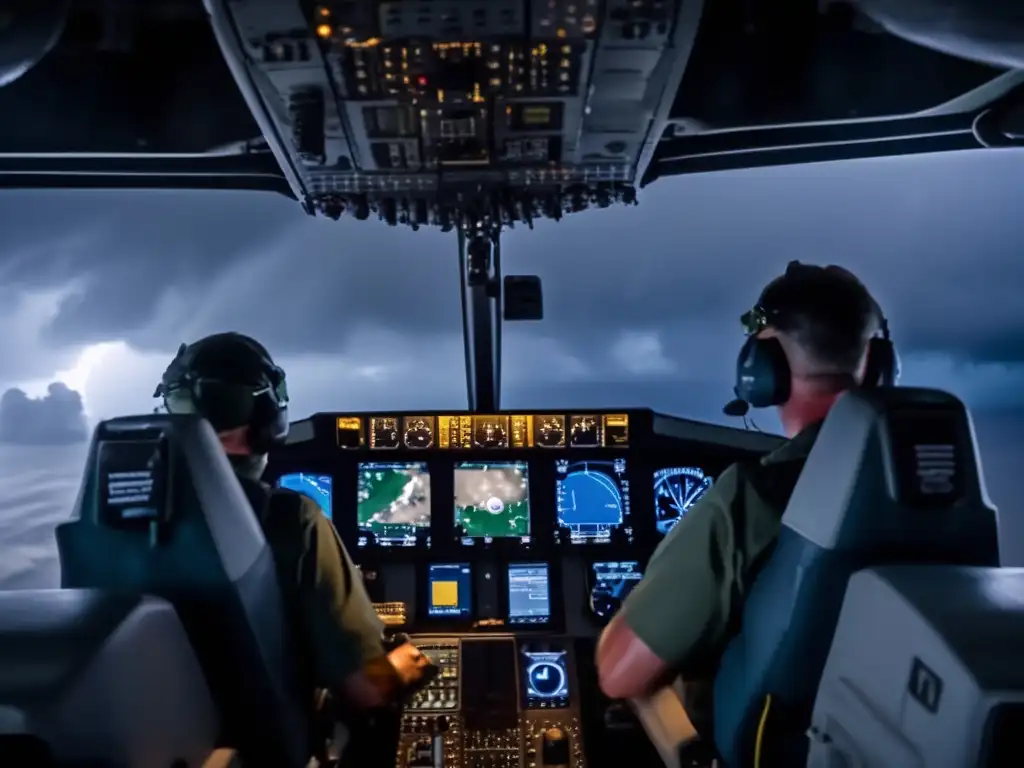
column 492, row 500
column 610, row 583
column 676, row 489
column 529, row 594
column 593, row 499
column 316, row 487
column 451, row 590
column 393, row 502
column 482, row 432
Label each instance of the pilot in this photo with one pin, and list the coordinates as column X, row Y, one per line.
column 825, row 334
column 233, row 383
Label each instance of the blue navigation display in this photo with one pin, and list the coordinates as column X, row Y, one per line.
column 316, row 487
column 545, row 678
column 676, row 489
column 451, row 590
column 529, row 598
column 592, row 499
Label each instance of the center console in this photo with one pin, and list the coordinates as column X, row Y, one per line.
column 499, row 702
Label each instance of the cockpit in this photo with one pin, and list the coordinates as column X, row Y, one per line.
column 883, row 632
column 501, row 544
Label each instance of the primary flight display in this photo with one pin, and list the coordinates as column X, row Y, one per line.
column 593, row 499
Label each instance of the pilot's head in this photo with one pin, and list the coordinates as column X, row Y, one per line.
column 814, row 333
column 231, row 381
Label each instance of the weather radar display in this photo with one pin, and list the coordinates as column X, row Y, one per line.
column 316, row 487
column 393, row 501
column 592, row 499
column 492, row 500
column 676, row 489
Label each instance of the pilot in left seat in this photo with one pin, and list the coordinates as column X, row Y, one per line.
column 231, row 380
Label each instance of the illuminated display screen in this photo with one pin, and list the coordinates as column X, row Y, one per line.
column 592, row 499
column 610, row 583
column 529, row 594
column 482, row 431
column 316, row 487
column 545, row 678
column 676, row 489
column 492, row 500
column 451, row 590
column 393, row 501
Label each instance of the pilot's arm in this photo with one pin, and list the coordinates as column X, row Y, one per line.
column 344, row 632
column 678, row 615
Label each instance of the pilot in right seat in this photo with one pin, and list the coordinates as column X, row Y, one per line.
column 231, row 381
column 814, row 333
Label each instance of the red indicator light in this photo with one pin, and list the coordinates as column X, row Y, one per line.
column 421, row 80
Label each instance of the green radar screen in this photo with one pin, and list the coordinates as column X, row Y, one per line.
column 492, row 500
column 393, row 502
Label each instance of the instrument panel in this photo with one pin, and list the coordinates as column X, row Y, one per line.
column 532, row 482
column 500, row 543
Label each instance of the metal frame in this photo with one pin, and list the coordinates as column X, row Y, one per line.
column 248, row 171
column 960, row 124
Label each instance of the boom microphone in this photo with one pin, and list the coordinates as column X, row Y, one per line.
column 737, row 407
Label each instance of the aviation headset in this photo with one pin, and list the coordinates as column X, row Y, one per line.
column 763, row 376
column 230, row 380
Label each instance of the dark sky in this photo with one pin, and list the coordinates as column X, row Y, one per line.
column 642, row 303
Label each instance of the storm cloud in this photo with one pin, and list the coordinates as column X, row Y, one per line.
column 641, row 296
column 55, row 419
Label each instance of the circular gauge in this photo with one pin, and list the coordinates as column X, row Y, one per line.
column 384, row 433
column 551, row 433
column 418, row 434
column 676, row 489
column 490, row 435
column 547, row 679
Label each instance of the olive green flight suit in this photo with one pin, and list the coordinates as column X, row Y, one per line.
column 690, row 601
column 335, row 622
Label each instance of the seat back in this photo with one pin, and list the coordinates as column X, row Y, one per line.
column 162, row 513
column 926, row 669
column 91, row 678
column 893, row 478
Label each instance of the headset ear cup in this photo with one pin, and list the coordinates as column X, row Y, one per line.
column 883, row 364
column 268, row 425
column 762, row 373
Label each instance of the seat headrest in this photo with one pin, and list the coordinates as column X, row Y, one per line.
column 893, row 469
column 162, row 473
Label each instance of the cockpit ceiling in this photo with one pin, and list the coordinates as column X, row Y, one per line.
column 489, row 93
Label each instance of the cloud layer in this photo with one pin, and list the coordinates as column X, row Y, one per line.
column 642, row 295
column 55, row 419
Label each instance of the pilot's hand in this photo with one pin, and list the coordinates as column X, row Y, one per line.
column 413, row 667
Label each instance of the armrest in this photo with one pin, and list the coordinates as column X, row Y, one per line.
column 665, row 721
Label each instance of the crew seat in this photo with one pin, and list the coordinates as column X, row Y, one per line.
column 161, row 514
column 894, row 478
column 95, row 679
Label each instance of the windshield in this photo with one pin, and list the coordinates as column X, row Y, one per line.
column 100, row 289
column 643, row 304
